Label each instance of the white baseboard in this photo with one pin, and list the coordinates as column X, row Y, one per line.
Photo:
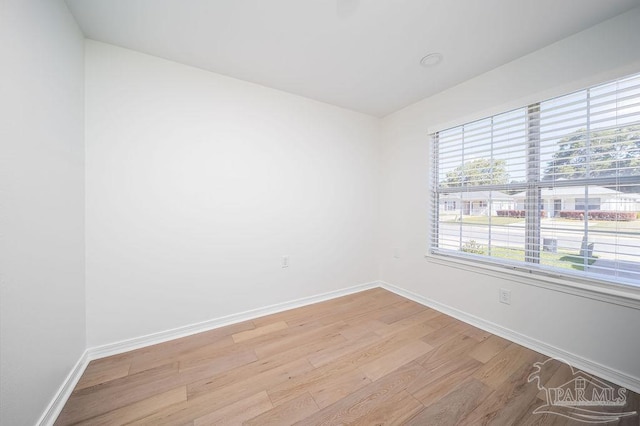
column 188, row 330
column 62, row 395
column 588, row 366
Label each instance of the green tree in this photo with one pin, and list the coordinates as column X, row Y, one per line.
column 481, row 171
column 613, row 152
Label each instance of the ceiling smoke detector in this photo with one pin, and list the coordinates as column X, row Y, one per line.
column 431, row 60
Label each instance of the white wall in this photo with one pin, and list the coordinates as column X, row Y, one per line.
column 598, row 331
column 42, row 194
column 198, row 183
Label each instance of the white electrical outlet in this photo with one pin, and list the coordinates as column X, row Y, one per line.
column 505, row 296
column 285, row 261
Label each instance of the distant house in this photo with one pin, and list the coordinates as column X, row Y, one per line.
column 476, row 203
column 574, row 198
column 485, row 203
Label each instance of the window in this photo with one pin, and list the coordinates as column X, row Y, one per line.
column 588, row 204
column 553, row 187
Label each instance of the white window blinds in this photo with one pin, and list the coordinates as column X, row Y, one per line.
column 551, row 187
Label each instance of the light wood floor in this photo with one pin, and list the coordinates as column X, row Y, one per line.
column 370, row 358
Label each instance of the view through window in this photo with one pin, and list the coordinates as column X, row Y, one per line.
column 553, row 186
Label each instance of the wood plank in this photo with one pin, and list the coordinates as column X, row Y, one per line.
column 331, row 389
column 396, row 359
column 336, row 309
column 423, row 316
column 402, row 310
column 358, row 315
column 259, row 331
column 96, row 374
column 286, row 414
column 476, row 333
column 354, row 331
column 334, row 352
column 397, row 410
column 259, row 367
column 509, row 400
column 138, row 410
column 454, row 406
column 202, row 354
column 238, row 412
column 500, row 367
column 254, row 369
column 455, row 347
column 372, row 309
column 432, row 390
column 294, row 341
column 264, row 380
column 449, row 367
column 314, row 381
column 179, row 353
column 204, row 397
column 176, row 347
column 367, row 399
column 445, row 329
column 542, row 419
column 383, row 346
column 553, row 374
column 211, row 366
column 489, row 348
column 193, row 356
column 96, row 400
column 276, row 335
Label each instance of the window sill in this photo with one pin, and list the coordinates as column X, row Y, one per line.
column 616, row 294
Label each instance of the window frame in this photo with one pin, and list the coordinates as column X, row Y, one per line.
column 582, row 283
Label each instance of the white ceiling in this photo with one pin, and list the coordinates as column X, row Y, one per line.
column 358, row 54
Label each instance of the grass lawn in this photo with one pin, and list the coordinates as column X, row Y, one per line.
column 559, row 260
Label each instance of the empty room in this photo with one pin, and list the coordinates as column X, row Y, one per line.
column 368, row 212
